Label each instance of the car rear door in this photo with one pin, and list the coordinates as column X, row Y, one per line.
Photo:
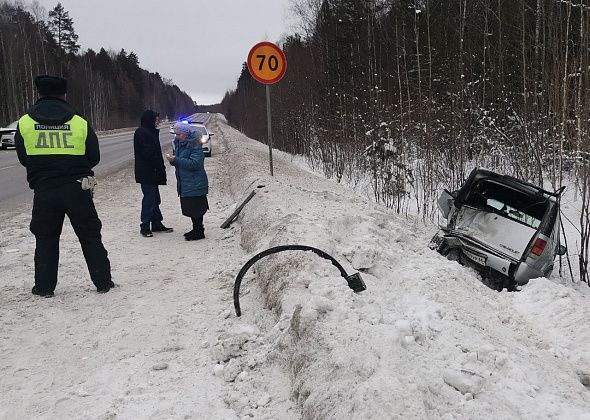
column 501, row 217
column 493, row 230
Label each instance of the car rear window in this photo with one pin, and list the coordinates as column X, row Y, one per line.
column 528, row 209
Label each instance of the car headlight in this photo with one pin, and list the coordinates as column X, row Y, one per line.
column 204, row 139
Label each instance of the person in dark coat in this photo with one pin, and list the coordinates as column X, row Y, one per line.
column 192, row 184
column 150, row 173
column 59, row 148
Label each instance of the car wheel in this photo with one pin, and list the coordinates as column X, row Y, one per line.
column 208, row 154
column 499, row 282
column 2, row 147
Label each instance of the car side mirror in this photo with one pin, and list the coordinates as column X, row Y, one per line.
column 211, row 134
column 561, row 250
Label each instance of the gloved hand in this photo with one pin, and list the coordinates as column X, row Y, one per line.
column 88, row 183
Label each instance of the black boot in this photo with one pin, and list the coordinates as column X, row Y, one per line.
column 194, row 235
column 40, row 293
column 198, row 231
column 106, row 288
column 146, row 232
column 159, row 227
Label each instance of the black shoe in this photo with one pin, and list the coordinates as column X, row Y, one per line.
column 42, row 294
column 190, row 232
column 106, row 288
column 194, row 236
column 161, row 228
column 146, row 232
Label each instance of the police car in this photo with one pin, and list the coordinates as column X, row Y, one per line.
column 7, row 135
column 203, row 135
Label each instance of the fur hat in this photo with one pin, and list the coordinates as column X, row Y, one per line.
column 51, row 85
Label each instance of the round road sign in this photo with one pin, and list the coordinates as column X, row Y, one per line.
column 267, row 63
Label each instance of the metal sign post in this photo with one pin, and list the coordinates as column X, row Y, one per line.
column 267, row 64
column 268, row 124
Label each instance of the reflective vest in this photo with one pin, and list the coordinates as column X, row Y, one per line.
column 68, row 138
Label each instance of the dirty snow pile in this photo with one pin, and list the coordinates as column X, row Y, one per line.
column 425, row 340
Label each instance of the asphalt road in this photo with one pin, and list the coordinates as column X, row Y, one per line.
column 116, row 153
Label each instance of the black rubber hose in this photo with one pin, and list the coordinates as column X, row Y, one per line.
column 280, row 248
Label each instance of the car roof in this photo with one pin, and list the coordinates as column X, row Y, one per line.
column 191, row 123
column 516, row 183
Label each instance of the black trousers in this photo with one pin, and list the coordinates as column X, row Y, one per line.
column 49, row 209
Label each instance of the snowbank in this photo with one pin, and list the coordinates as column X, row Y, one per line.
column 426, row 340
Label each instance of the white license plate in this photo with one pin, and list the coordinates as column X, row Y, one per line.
column 479, row 259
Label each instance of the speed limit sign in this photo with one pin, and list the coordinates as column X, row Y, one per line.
column 267, row 63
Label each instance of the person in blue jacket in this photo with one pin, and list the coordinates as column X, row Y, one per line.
column 191, row 179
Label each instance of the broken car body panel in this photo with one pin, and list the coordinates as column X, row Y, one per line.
column 498, row 232
column 505, row 228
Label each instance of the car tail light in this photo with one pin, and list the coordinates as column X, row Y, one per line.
column 538, row 246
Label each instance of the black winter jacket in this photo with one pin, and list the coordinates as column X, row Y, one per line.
column 149, row 163
column 48, row 171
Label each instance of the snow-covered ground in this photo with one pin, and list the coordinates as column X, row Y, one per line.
column 425, row 340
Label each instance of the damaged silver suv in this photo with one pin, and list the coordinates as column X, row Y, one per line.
column 506, row 229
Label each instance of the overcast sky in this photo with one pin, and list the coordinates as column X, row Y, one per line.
column 199, row 44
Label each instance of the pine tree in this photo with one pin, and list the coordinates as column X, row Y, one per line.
column 61, row 26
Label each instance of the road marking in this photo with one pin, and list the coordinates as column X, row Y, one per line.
column 8, row 167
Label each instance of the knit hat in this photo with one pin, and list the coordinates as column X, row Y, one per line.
column 183, row 128
column 51, row 85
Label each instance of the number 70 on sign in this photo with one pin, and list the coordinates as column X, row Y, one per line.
column 267, row 63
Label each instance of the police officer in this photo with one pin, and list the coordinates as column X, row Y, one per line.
column 59, row 149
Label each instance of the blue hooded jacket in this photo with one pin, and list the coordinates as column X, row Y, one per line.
column 189, row 161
